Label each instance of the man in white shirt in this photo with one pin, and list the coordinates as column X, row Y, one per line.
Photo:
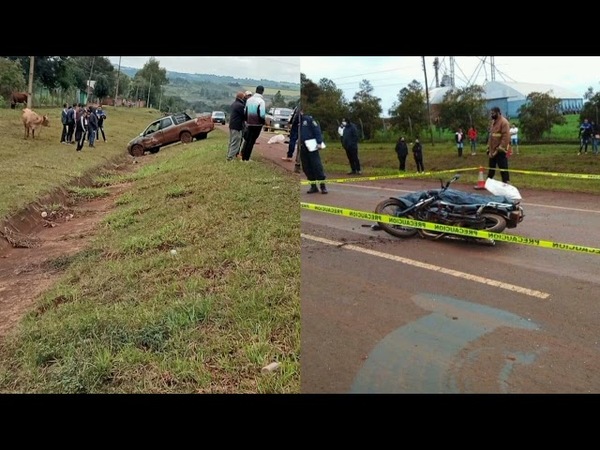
column 514, row 137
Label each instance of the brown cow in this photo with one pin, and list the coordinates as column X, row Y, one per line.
column 18, row 97
column 33, row 121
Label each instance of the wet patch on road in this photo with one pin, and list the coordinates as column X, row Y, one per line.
column 419, row 357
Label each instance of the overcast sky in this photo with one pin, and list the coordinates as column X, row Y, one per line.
column 274, row 68
column 388, row 75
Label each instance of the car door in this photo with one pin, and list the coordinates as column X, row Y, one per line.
column 152, row 135
column 169, row 131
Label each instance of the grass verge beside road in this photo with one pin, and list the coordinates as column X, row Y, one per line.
column 129, row 316
column 553, row 165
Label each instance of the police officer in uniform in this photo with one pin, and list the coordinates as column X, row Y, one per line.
column 312, row 166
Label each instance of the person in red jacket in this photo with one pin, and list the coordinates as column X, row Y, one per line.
column 472, row 135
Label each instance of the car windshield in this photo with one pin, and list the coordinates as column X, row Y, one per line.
column 218, row 114
column 283, row 112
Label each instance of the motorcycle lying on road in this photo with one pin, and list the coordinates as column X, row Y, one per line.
column 451, row 207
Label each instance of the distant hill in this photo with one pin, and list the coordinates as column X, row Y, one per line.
column 222, row 79
column 219, row 90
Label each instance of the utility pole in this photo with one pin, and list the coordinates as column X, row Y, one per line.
column 427, row 96
column 149, row 87
column 436, row 68
column 30, row 87
column 117, row 88
column 89, row 84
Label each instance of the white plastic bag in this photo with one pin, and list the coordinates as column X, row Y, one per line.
column 277, row 139
column 499, row 188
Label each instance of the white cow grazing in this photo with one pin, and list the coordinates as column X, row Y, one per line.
column 33, row 121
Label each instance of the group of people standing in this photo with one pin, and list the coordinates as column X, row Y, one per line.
column 589, row 132
column 246, row 121
column 500, row 137
column 402, row 153
column 80, row 124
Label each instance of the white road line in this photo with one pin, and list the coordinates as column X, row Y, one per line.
column 422, row 265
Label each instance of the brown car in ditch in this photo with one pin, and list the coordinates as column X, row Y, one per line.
column 168, row 130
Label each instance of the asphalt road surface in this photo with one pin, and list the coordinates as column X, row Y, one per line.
column 382, row 314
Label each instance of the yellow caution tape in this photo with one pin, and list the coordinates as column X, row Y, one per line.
column 424, row 174
column 375, row 217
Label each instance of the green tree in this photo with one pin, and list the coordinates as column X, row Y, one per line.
column 124, row 86
column 461, row 108
column 309, row 93
column 590, row 109
column 148, row 79
column 409, row 113
column 173, row 104
column 101, row 88
column 539, row 113
column 78, row 71
column 47, row 70
column 277, row 100
column 365, row 109
column 329, row 107
column 11, row 77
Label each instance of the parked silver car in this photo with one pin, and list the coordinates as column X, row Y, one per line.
column 219, row 117
column 278, row 119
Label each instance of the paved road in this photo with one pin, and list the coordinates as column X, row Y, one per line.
column 386, row 315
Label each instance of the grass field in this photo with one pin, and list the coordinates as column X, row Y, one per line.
column 127, row 315
column 554, row 167
column 33, row 167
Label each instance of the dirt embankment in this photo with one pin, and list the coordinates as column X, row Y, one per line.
column 30, row 242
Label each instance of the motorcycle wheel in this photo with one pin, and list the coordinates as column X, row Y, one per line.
column 390, row 207
column 494, row 223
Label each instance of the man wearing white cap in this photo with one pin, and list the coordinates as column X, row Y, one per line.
column 254, row 113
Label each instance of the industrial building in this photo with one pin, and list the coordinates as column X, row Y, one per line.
column 509, row 97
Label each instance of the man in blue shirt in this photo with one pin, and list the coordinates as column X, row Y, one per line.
column 585, row 134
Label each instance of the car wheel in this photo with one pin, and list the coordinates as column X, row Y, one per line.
column 186, row 137
column 137, row 150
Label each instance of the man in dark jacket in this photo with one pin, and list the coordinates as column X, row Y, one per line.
column 310, row 158
column 92, row 125
column 81, row 127
column 64, row 121
column 294, row 124
column 101, row 118
column 236, row 126
column 350, row 144
column 402, row 152
column 70, row 124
